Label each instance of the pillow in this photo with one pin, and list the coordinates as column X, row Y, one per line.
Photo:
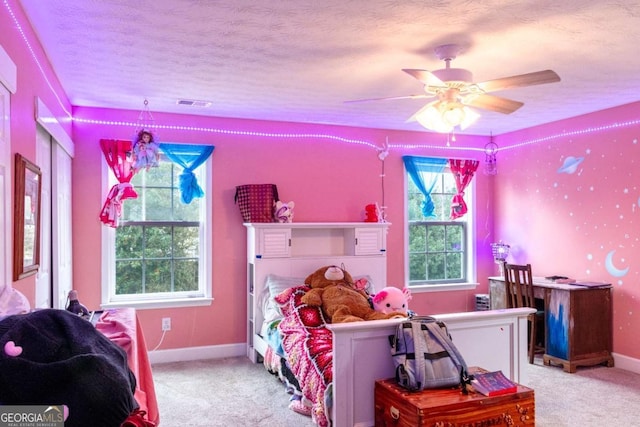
column 275, row 285
column 12, row 301
column 369, row 288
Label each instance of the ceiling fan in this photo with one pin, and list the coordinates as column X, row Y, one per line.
column 455, row 91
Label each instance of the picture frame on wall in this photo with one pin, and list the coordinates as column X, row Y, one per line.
column 27, row 211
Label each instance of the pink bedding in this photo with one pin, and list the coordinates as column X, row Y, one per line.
column 308, row 345
column 122, row 327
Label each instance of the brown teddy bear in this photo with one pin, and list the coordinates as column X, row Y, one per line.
column 332, row 289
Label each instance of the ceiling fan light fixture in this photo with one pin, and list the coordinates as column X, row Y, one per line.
column 453, row 114
column 431, row 118
column 444, row 116
column 470, row 117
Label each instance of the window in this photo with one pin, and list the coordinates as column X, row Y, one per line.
column 158, row 253
column 439, row 250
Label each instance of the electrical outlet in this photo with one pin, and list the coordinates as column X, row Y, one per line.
column 166, row 324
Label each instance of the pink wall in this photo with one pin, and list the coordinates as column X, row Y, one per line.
column 31, row 84
column 570, row 205
column 329, row 180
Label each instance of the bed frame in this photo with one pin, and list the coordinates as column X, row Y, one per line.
column 493, row 340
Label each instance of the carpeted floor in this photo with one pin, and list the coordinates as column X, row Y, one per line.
column 593, row 396
column 235, row 392
column 230, row 392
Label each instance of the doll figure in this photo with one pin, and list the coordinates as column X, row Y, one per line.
column 145, row 151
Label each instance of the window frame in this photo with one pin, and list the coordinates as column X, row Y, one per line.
column 204, row 294
column 469, row 241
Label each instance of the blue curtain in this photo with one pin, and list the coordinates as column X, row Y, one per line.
column 189, row 157
column 424, row 173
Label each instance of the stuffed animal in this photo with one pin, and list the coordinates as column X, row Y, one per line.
column 283, row 212
column 371, row 213
column 332, row 289
column 392, row 299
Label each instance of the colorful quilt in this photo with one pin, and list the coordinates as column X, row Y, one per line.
column 308, row 346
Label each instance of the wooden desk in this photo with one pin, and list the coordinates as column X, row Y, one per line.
column 578, row 321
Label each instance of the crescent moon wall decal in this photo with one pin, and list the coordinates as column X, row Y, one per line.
column 615, row 272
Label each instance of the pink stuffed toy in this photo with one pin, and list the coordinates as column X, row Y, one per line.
column 392, row 299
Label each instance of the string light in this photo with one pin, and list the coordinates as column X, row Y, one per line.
column 235, row 132
column 35, row 58
column 577, row 132
column 399, row 145
column 402, row 146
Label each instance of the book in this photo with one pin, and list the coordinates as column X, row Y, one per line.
column 493, row 383
column 556, row 277
column 592, row 284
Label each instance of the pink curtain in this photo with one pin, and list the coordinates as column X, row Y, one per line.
column 463, row 171
column 117, row 153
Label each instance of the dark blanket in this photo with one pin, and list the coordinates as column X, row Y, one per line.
column 58, row 358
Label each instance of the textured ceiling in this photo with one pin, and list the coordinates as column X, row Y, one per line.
column 298, row 60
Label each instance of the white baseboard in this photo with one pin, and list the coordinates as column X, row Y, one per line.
column 197, row 353
column 627, row 363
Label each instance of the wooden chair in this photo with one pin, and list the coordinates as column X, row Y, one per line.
column 519, row 283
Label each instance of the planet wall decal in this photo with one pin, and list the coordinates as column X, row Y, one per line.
column 570, row 164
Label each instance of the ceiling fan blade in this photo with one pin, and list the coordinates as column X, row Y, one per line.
column 492, row 103
column 421, row 96
column 427, row 78
column 530, row 79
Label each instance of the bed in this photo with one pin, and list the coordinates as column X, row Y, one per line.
column 494, row 340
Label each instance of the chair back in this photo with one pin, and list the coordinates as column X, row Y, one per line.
column 519, row 284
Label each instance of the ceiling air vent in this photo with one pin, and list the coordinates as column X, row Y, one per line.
column 193, row 103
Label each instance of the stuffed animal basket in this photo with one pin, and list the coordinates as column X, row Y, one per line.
column 256, row 201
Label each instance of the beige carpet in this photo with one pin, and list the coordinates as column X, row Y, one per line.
column 593, row 396
column 235, row 392
column 223, row 392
